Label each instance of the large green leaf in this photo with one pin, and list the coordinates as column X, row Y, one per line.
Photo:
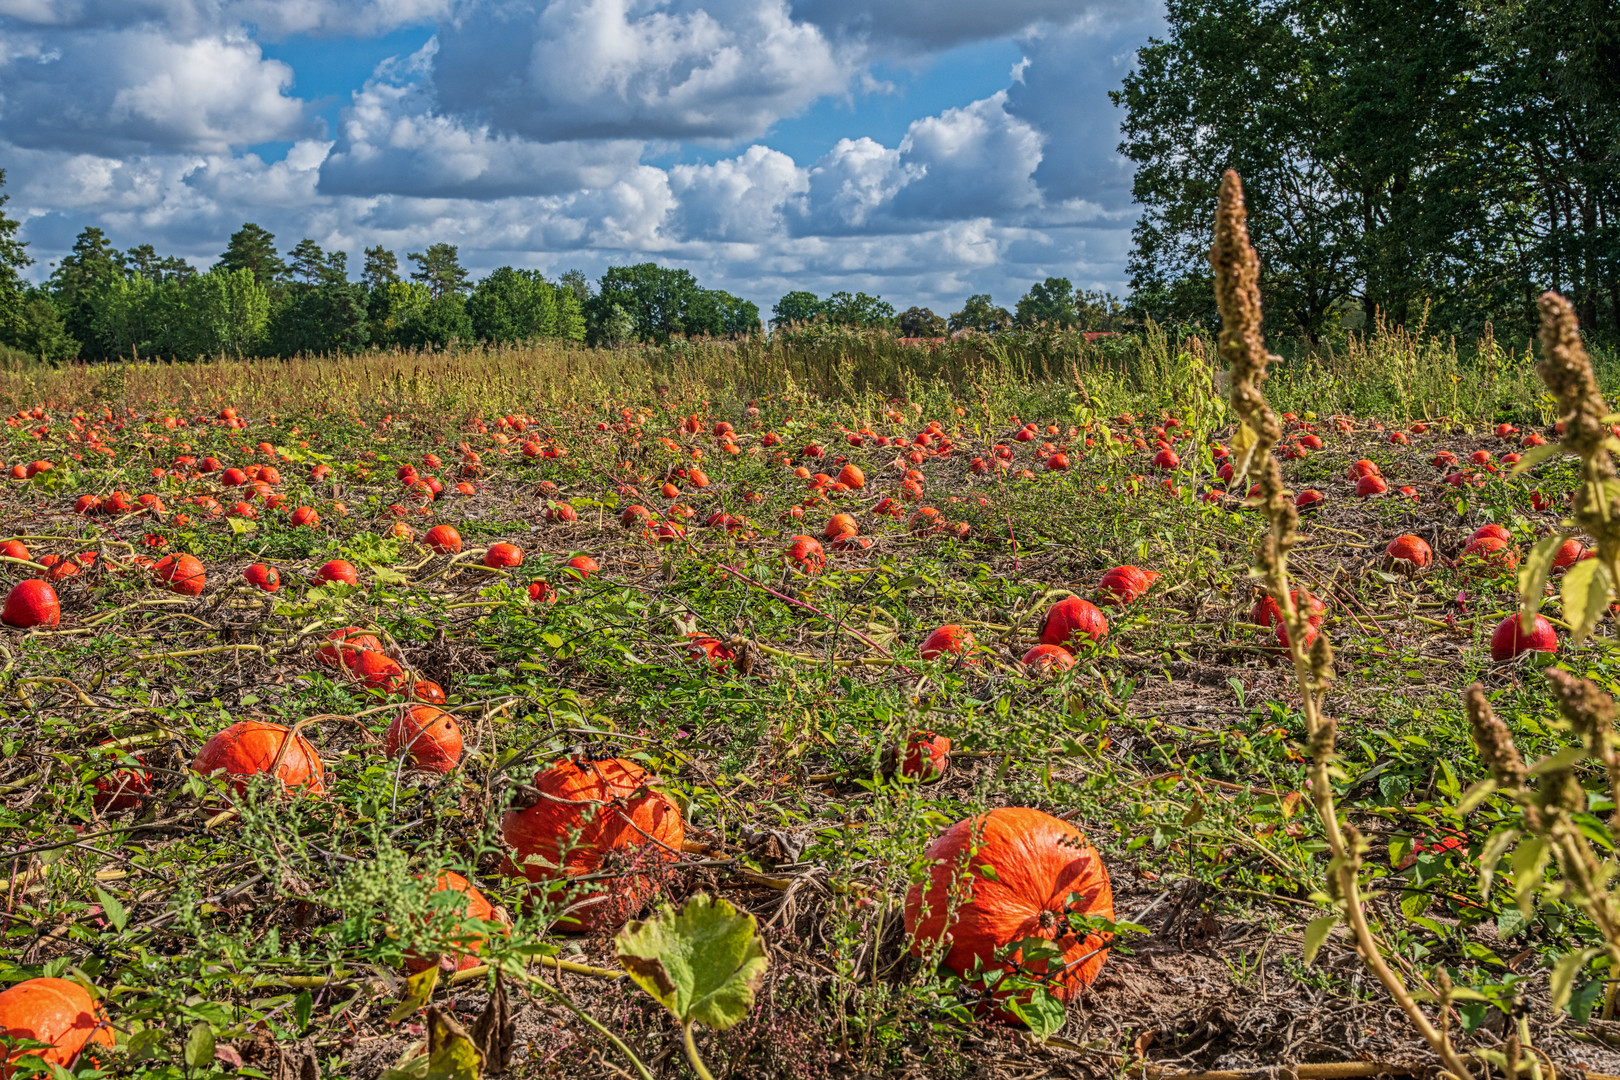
column 702, row 963
column 1533, row 578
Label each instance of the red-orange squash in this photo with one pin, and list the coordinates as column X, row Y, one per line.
column 1072, row 620
column 32, row 602
column 428, row 737
column 620, row 821
column 54, row 1011
column 478, row 907
column 925, row 756
column 1006, row 875
column 249, row 747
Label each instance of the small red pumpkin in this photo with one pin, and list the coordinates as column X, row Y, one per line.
column 1072, row 619
column 30, row 603
column 477, row 907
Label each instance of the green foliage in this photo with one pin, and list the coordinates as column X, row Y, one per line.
column 381, row 269
column 1050, row 301
column 1410, row 161
column 440, row 269
column 980, row 313
column 921, row 322
column 858, row 309
column 660, row 303
column 13, row 257
column 701, row 963
column 41, row 332
column 253, row 248
column 510, row 306
column 796, row 307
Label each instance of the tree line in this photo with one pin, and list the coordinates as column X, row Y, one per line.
column 102, row 303
column 1435, row 162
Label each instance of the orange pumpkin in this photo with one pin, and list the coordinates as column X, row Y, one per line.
column 1006, row 875
column 427, row 736
column 1072, row 619
column 949, row 640
column 443, row 539
column 54, row 1011
column 249, row 747
column 182, row 573
column 616, row 814
column 925, row 756
column 345, row 646
column 477, row 907
column 32, row 602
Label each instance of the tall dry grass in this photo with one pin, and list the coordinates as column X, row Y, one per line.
column 1389, row 372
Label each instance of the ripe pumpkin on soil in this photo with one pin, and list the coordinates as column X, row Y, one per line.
column 1408, row 554
column 343, row 647
column 377, row 671
column 182, row 573
column 1072, row 619
column 583, row 566
column 948, row 640
column 502, row 556
column 32, row 603
column 924, row 756
column 807, row 554
column 122, row 789
column 262, row 577
column 477, row 907
column 1047, row 660
column 1125, row 584
column 442, row 539
column 338, row 571
column 55, row 1011
column 250, row 747
column 1489, row 552
column 1036, row 862
column 619, row 819
column 1509, row 639
column 427, row 736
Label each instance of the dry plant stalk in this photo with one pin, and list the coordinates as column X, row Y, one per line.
column 1567, row 371
column 1242, row 345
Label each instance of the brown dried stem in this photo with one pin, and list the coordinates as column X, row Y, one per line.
column 1242, row 346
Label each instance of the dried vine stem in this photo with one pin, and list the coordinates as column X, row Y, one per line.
column 1242, row 346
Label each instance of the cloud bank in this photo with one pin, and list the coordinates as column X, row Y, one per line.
column 560, row 133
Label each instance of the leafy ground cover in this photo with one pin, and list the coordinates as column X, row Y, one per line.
column 791, row 709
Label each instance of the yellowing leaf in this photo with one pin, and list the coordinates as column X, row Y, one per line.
column 701, row 963
column 418, row 992
column 1316, row 932
column 1244, row 440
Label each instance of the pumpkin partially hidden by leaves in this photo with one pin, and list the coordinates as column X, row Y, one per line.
column 55, row 1011
column 250, row 747
column 1005, row 876
column 477, row 907
column 621, row 821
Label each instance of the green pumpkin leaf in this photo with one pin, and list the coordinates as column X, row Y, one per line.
column 114, row 910
column 1564, row 972
column 200, row 1046
column 701, row 963
column 1316, row 932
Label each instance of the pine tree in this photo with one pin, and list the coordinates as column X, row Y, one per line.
column 254, row 249
column 381, row 269
column 440, row 269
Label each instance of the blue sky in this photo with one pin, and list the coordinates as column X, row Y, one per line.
column 921, row 149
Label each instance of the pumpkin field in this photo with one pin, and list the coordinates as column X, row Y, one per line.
column 389, row 718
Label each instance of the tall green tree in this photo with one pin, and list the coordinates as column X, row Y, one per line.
column 798, row 306
column 144, row 260
column 253, row 249
column 511, row 306
column 77, row 280
column 980, row 312
column 13, row 257
column 381, row 268
column 1050, row 302
column 655, row 298
column 308, row 261
column 440, row 269
column 921, row 322
column 858, row 309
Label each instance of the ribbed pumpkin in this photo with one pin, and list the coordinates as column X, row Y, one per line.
column 249, row 747
column 1072, row 620
column 924, row 756
column 54, row 1011
column 615, row 813
column 428, row 737
column 345, row 646
column 1035, row 863
column 478, row 907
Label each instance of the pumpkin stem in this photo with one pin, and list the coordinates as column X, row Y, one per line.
column 1048, row 922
